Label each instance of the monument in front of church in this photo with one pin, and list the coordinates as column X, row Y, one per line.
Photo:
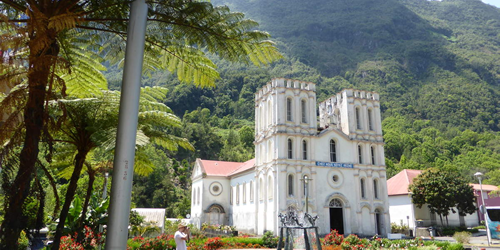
column 342, row 160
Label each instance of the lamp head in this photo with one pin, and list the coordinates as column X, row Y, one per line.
column 478, row 175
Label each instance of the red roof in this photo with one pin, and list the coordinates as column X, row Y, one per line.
column 224, row 168
column 486, row 187
column 398, row 184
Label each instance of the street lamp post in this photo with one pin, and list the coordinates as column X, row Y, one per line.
column 484, row 211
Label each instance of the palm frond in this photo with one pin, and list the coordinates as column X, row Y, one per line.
column 143, row 165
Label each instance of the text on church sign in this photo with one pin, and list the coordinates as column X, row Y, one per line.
column 333, row 164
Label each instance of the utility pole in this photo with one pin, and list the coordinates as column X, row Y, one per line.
column 123, row 165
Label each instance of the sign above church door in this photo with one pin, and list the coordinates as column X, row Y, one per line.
column 334, row 164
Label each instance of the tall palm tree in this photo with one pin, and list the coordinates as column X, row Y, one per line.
column 90, row 123
column 179, row 33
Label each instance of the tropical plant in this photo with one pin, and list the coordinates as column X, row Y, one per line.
column 144, row 230
column 36, row 34
column 88, row 123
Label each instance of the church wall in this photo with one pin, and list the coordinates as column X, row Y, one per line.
column 208, row 196
column 242, row 210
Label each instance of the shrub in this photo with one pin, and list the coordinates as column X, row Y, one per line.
column 333, row 238
column 462, row 237
column 243, row 240
column 354, row 242
column 68, row 243
column 395, row 228
column 213, row 244
column 162, row 242
column 269, row 240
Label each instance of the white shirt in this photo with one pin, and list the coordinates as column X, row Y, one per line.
column 179, row 242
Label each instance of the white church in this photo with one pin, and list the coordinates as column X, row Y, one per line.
column 342, row 160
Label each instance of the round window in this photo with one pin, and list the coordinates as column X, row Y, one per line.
column 215, row 188
column 335, row 178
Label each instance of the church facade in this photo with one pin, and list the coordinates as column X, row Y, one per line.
column 336, row 168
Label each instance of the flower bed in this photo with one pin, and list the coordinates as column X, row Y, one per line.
column 332, row 241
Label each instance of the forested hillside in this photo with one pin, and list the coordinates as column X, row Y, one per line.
column 435, row 64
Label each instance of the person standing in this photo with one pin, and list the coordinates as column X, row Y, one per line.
column 181, row 237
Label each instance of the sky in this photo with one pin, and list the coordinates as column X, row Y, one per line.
column 493, row 2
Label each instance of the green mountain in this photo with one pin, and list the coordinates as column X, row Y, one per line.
column 436, row 65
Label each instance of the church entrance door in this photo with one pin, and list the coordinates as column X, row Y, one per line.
column 336, row 216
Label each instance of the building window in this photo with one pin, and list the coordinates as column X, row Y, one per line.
column 372, row 152
column 362, row 185
column 238, row 194
column 303, row 110
column 289, row 109
column 269, row 151
column 244, row 193
column 194, row 196
column 198, row 194
column 269, row 187
column 358, row 118
column 333, row 151
column 304, row 149
column 231, row 196
column 290, row 149
column 269, row 113
column 360, row 155
column 370, row 119
column 251, row 191
column 261, row 189
column 375, row 189
column 290, row 185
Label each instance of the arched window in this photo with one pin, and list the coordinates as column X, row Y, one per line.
column 375, row 188
column 231, row 196
column 289, row 109
column 269, row 150
column 335, row 203
column 362, row 186
column 194, row 196
column 304, row 150
column 372, row 152
column 290, row 149
column 269, row 187
column 358, row 118
column 238, row 194
column 198, row 194
column 251, row 191
column 263, row 153
column 290, row 185
column 261, row 189
column 244, row 193
column 333, row 151
column 370, row 119
column 269, row 113
column 360, row 155
column 303, row 108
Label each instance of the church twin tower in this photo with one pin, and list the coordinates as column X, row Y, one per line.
column 342, row 159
